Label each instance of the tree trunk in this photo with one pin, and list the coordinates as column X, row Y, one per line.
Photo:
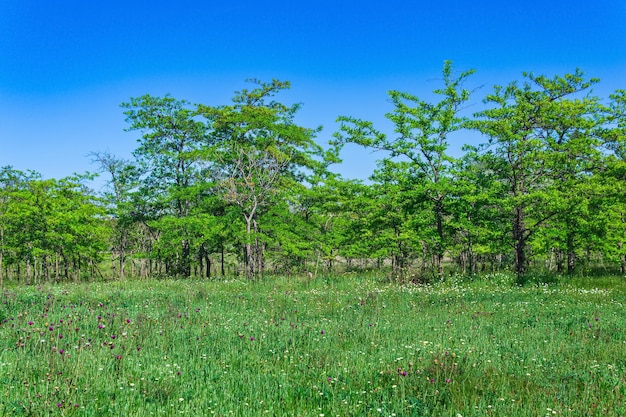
column 248, row 248
column 571, row 262
column 258, row 250
column 28, row 272
column 223, row 269
column 200, row 266
column 558, row 254
column 463, row 257
column 571, row 248
column 185, row 261
column 122, row 260
column 439, row 246
column 519, row 241
column 204, row 261
column 45, row 268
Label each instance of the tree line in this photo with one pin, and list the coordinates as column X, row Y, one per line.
column 243, row 189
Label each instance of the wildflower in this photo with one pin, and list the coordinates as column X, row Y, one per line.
column 252, row 338
column 322, row 332
column 61, row 351
column 118, row 357
column 30, row 323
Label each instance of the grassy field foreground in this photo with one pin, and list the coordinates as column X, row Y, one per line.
column 345, row 346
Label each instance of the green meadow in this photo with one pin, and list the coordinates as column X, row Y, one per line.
column 337, row 346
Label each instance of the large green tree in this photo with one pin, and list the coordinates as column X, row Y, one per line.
column 258, row 153
column 171, row 134
column 542, row 133
column 421, row 136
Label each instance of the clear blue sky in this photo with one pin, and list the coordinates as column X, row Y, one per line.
column 66, row 65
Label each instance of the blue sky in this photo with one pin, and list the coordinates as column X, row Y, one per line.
column 66, row 65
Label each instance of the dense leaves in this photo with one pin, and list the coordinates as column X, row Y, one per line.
column 49, row 229
column 243, row 189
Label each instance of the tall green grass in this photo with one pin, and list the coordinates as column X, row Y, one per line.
column 345, row 346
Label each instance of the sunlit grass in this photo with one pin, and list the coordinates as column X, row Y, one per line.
column 342, row 346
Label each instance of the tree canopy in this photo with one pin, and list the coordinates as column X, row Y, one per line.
column 244, row 189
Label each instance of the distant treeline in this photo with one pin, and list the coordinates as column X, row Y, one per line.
column 243, row 189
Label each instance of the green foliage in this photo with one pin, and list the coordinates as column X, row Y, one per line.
column 546, row 138
column 417, row 154
column 244, row 189
column 49, row 227
column 166, row 157
column 258, row 156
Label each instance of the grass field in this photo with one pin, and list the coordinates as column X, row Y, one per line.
column 343, row 346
